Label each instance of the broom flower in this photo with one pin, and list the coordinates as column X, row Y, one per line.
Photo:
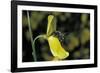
column 54, row 43
column 55, row 46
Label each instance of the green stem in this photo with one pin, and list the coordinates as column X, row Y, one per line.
column 30, row 31
column 40, row 36
column 33, row 41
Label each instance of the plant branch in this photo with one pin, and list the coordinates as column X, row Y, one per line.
column 30, row 31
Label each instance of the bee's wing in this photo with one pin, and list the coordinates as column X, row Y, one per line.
column 51, row 26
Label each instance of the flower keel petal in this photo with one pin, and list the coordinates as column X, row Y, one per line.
column 56, row 48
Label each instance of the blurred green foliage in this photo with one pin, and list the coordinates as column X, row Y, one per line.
column 76, row 54
column 85, row 35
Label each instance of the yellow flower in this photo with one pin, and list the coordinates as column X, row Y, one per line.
column 54, row 43
column 55, row 46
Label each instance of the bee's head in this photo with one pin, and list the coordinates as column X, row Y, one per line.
column 60, row 35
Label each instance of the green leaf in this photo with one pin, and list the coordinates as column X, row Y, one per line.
column 51, row 26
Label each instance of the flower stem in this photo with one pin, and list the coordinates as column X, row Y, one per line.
column 33, row 41
column 40, row 36
column 30, row 31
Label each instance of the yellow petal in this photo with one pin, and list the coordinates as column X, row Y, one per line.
column 56, row 48
column 51, row 26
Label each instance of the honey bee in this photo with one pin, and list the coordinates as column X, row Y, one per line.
column 60, row 36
